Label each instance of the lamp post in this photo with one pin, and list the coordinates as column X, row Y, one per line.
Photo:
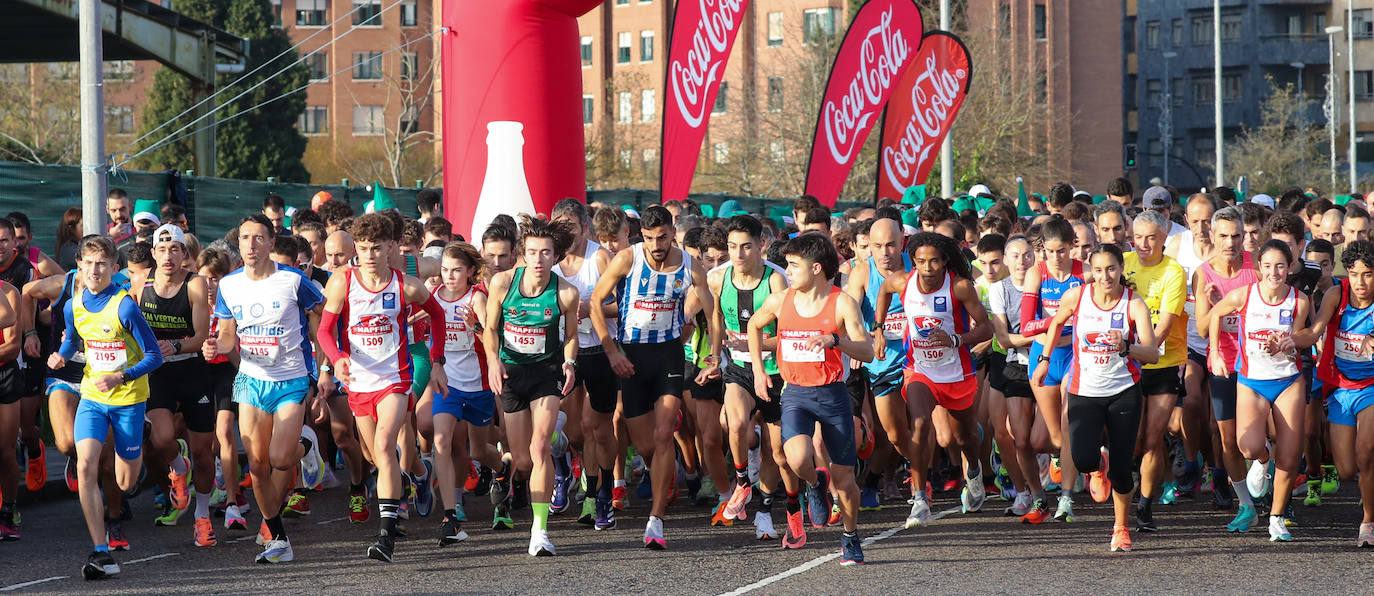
column 1217, row 93
column 1166, row 114
column 1350, row 82
column 1302, row 114
column 1329, row 104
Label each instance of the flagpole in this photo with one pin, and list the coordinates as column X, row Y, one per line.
column 946, row 154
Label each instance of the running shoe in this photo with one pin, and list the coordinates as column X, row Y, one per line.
column 763, row 526
column 459, row 513
column 1099, row 486
column 1039, row 512
column 1169, row 495
column 1366, row 537
column 424, row 491
column 383, row 549
column 653, row 534
column 450, row 533
column 297, row 505
column 501, row 483
column 1245, row 517
column 1278, row 531
column 1314, row 494
column 719, row 517
column 37, row 473
column 8, row 530
column 1056, row 473
column 971, row 499
column 1222, row 495
column 734, row 508
column 233, row 519
column 1260, row 479
column 605, row 514
column 69, row 472
column 851, row 550
column 358, row 512
column 114, row 536
column 312, row 465
column 1289, row 519
column 484, row 478
column 620, row 498
column 1145, row 518
column 168, row 516
column 99, row 566
column 818, row 500
column 1299, row 485
column 1331, row 480
column 1065, row 511
column 501, row 518
column 1042, row 462
column 796, row 531
column 1121, row 539
column 470, row 481
column 1020, row 506
column 205, row 532
column 920, row 514
column 588, row 516
column 558, row 503
column 869, row 501
column 264, row 535
column 276, row 551
column 834, row 519
column 539, row 543
column 177, row 492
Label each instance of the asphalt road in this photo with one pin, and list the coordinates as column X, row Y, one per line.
column 958, row 554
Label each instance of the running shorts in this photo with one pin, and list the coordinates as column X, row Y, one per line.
column 1016, row 381
column 1157, row 381
column 270, row 396
column 364, row 404
column 713, row 390
column 828, row 405
column 94, row 420
column 1344, row 405
column 771, row 409
column 884, row 382
column 1223, row 392
column 658, row 372
column 473, row 407
column 181, row 386
column 222, row 385
column 594, row 374
column 13, row 383
column 1268, row 389
column 420, row 370
column 528, row 382
column 954, row 397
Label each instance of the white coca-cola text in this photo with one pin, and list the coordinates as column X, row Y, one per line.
column 881, row 57
column 932, row 110
column 692, row 74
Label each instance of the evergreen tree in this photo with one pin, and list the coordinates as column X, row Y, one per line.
column 169, row 95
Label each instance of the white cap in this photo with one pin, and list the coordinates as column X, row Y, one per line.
column 146, row 216
column 909, row 230
column 169, row 233
column 1263, row 199
column 632, row 214
column 979, row 190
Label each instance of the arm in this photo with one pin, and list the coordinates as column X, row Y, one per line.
column 132, row 319
column 716, row 318
column 1171, row 305
column 70, row 338
column 858, row 282
column 9, row 349
column 48, row 288
column 762, row 318
column 1199, row 298
column 1030, row 306
column 1312, row 334
column 892, row 285
column 1227, row 305
column 854, row 339
column 1300, row 319
column 8, row 308
column 46, row 267
column 491, row 340
column 1146, row 350
column 335, row 296
column 1061, row 318
column 568, row 299
column 605, row 287
column 200, row 316
column 964, row 292
column 416, row 293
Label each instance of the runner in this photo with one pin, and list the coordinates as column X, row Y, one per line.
column 213, row 265
column 811, row 361
column 998, row 448
column 654, row 280
column 498, row 248
column 1272, row 317
column 1104, row 378
column 1191, row 249
column 943, row 317
column 11, row 391
column 120, row 350
column 700, row 435
column 373, row 299
column 264, row 310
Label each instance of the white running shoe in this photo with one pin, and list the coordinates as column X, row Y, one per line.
column 1259, row 479
column 1065, row 511
column 1278, row 531
column 539, row 543
column 312, row 465
column 653, row 534
column 974, row 493
column 763, row 526
column 920, row 514
column 276, row 551
column 1021, row 505
column 1366, row 539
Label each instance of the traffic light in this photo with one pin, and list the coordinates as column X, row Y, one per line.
column 1129, row 155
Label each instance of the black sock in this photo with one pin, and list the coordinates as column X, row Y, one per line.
column 593, row 483
column 851, row 533
column 793, row 502
column 389, row 509
column 7, row 511
column 608, row 484
column 767, row 501
column 741, row 475
column 974, row 471
column 35, row 452
column 873, row 480
column 307, row 443
column 274, row 526
column 356, row 489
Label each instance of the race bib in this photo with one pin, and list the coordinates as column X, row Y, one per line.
column 1260, row 358
column 1348, row 346
column 651, row 315
column 106, row 356
column 894, row 329
column 525, row 340
column 457, row 337
column 792, row 347
column 1230, row 324
column 262, row 350
column 374, row 336
column 740, row 355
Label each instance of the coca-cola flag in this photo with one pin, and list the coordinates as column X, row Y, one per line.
column 923, row 107
column 702, row 34
column 876, row 50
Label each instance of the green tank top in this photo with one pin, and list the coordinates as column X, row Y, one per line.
column 984, row 288
column 738, row 305
column 698, row 346
column 530, row 325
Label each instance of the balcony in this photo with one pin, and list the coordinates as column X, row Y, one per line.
column 1285, row 48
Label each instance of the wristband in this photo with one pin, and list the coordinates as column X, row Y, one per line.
column 957, row 340
column 836, row 338
column 1041, row 358
column 30, row 332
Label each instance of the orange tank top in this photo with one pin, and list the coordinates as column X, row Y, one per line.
column 798, row 365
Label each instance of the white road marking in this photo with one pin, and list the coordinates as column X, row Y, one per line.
column 330, row 521
column 818, row 561
column 32, row 583
column 152, row 558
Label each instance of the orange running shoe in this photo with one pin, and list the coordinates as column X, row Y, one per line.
column 796, row 531
column 739, row 498
column 1038, row 513
column 1099, row 486
column 1056, row 473
column 205, row 532
column 177, row 492
column 247, row 481
column 1121, row 539
column 37, row 474
column 264, row 534
column 719, row 517
column 470, row 483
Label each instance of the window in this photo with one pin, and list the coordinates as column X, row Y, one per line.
column 119, row 119
column 722, row 98
column 775, row 94
column 587, row 51
column 1003, row 20
column 588, row 108
column 367, row 13
column 622, row 2
column 1294, row 25
column 648, row 156
column 1202, row 30
column 646, row 46
column 367, row 66
column 410, row 120
column 118, row 70
column 622, row 50
column 1176, row 91
column 410, row 66
column 1041, row 92
column 1152, row 35
column 720, row 152
column 1040, row 32
column 1155, row 152
column 276, row 13
column 627, row 108
column 1232, row 87
column 1363, row 23
column 410, row 15
column 1319, row 23
column 1202, row 90
column 1204, row 146
column 319, row 65
column 1364, row 85
column 1153, row 92
column 625, row 154
column 775, row 28
column 819, row 24
column 647, row 106
column 1176, row 32
column 311, row 13
column 776, row 150
column 314, row 120
column 1232, row 26
column 368, row 120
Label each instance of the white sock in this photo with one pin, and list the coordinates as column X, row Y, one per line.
column 178, row 465
column 1242, row 493
column 202, row 505
column 620, row 483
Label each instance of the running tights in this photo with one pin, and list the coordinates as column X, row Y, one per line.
column 1120, row 415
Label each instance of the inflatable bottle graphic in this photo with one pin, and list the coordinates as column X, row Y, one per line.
column 504, row 188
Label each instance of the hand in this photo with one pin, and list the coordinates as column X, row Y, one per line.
column 1367, row 346
column 120, row 230
column 940, row 338
column 855, row 364
column 1213, row 292
column 470, row 317
column 584, row 309
column 32, row 346
column 1218, row 365
column 621, row 365
column 817, row 343
column 879, row 342
column 326, row 385
column 341, row 371
column 104, row 383
column 1042, row 370
column 762, row 383
column 210, row 349
column 738, row 345
column 319, row 413
column 438, row 381
column 166, row 347
column 569, row 377
column 711, row 371
column 496, row 376
column 56, row 361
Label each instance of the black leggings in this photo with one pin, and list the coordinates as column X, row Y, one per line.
column 1120, row 414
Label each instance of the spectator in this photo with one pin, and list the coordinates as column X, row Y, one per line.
column 428, row 201
column 274, row 207
column 118, row 207
column 175, row 214
column 68, row 235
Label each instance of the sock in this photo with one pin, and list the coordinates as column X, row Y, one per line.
column 103, row 548
column 690, row 477
column 178, row 465
column 742, row 475
column 1039, row 495
column 767, row 501
column 620, row 483
column 975, row 471
column 793, row 503
column 233, row 509
column 1242, row 493
column 202, row 505
column 593, row 483
column 357, row 489
column 1146, row 501
column 390, row 510
column 35, row 452
column 851, row 533
column 605, row 492
column 307, row 443
column 541, row 515
column 275, row 528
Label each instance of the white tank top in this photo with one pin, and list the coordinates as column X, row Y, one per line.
column 1260, row 320
column 465, row 360
column 585, row 281
column 1098, row 369
column 377, row 335
column 1188, row 258
column 926, row 312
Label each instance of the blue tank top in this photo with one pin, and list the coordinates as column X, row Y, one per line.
column 896, row 339
column 651, row 302
column 1051, row 291
column 1355, row 325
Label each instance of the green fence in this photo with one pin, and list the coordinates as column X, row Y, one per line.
column 216, row 204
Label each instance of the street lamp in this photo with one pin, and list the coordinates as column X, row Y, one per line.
column 1217, row 92
column 1166, row 113
column 1350, row 82
column 1329, row 104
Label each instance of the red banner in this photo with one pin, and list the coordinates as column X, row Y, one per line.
column 923, row 107
column 702, row 34
column 876, row 50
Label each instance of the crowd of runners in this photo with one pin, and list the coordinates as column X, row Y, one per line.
column 1137, row 350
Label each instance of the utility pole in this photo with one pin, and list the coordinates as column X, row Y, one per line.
column 92, row 119
column 1329, row 106
column 946, row 153
column 1217, row 92
column 1350, row 82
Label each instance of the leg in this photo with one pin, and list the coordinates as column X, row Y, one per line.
column 1288, row 412
column 1364, row 459
column 1021, row 419
column 1122, row 418
column 228, row 454
column 919, row 407
column 61, row 413
column 162, row 445
column 445, row 428
column 1154, row 463
column 344, row 431
column 709, row 434
column 88, row 473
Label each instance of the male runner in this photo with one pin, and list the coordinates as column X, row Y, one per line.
column 654, row 280
column 11, row 390
column 811, row 360
column 266, row 311
column 1191, row 249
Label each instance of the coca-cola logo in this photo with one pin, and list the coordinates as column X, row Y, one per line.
column 693, row 74
column 927, row 100
column 881, row 57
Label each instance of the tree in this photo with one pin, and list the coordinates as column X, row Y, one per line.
column 404, row 152
column 40, row 121
column 170, row 95
column 1287, row 148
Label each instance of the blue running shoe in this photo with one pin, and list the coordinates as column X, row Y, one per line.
column 818, row 499
column 424, row 491
column 851, row 550
column 869, row 501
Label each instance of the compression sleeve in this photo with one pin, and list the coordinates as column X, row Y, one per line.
column 328, row 335
column 1030, row 305
column 436, row 317
column 132, row 319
